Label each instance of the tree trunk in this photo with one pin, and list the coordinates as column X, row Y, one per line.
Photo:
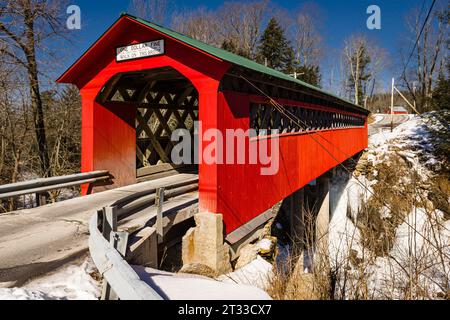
column 36, row 101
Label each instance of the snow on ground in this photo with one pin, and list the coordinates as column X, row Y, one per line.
column 23, row 294
column 414, row 138
column 265, row 244
column 257, row 273
column 178, row 286
column 378, row 118
column 419, row 245
column 422, row 241
column 343, row 234
column 72, row 282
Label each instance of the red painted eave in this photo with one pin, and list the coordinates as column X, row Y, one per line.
column 74, row 71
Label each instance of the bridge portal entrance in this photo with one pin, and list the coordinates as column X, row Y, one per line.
column 164, row 101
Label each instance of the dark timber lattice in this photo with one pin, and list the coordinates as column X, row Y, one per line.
column 157, row 117
column 264, row 117
column 165, row 101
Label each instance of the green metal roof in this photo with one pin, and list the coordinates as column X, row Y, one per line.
column 233, row 58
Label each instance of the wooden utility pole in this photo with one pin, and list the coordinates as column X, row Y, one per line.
column 392, row 105
column 407, row 101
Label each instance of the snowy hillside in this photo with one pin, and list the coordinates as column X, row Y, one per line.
column 394, row 240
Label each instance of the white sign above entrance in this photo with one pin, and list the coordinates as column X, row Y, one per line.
column 140, row 50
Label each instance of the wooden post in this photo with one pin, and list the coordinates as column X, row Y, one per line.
column 38, row 200
column 392, row 104
column 407, row 101
column 322, row 224
column 109, row 221
column 41, row 199
column 159, row 214
column 109, row 226
column 119, row 240
column 297, row 219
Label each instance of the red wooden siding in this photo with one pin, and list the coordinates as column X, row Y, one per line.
column 244, row 193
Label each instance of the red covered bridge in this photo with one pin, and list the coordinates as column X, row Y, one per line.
column 134, row 97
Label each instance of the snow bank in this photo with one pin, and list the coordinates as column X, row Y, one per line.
column 72, row 282
column 192, row 287
column 345, row 200
column 418, row 265
column 265, row 244
column 24, row 294
column 415, row 137
column 378, row 118
column 257, row 273
column 402, row 131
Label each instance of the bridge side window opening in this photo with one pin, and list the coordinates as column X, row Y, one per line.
column 264, row 117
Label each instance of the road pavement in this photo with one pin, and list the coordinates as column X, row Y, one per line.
column 384, row 122
column 36, row 241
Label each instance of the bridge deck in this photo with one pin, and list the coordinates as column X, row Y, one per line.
column 35, row 241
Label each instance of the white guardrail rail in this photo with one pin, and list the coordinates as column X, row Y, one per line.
column 40, row 187
column 108, row 246
column 116, row 271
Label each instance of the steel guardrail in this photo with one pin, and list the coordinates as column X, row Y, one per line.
column 42, row 185
column 116, row 271
column 108, row 246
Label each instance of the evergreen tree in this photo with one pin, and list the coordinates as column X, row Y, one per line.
column 309, row 74
column 231, row 46
column 441, row 93
column 275, row 50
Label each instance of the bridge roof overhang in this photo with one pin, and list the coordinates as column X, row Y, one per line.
column 100, row 53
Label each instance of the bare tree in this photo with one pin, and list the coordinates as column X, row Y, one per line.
column 307, row 40
column 200, row 24
column 357, row 61
column 430, row 54
column 14, row 126
column 362, row 61
column 235, row 26
column 152, row 10
column 24, row 26
column 241, row 24
column 65, row 131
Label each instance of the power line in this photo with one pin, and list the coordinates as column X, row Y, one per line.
column 300, row 123
column 420, row 35
column 422, row 8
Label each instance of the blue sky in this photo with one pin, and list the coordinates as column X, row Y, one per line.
column 341, row 18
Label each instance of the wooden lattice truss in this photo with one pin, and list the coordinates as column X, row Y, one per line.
column 157, row 117
column 165, row 101
column 264, row 117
